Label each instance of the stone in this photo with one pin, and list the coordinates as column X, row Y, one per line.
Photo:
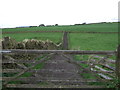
column 8, row 43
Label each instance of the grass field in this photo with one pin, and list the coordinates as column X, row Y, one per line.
column 105, row 27
column 57, row 37
column 79, row 41
column 93, row 41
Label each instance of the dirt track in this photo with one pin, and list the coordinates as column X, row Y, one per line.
column 58, row 68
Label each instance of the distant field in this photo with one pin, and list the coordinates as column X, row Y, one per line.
column 82, row 41
column 105, row 27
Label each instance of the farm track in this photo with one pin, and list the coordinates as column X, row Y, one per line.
column 58, row 68
column 12, row 32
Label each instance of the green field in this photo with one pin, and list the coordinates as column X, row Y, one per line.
column 77, row 41
column 105, row 27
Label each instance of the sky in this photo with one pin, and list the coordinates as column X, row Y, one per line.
column 14, row 13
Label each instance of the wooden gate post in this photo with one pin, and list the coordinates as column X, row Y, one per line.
column 65, row 41
column 118, row 64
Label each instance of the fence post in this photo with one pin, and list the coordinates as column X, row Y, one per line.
column 118, row 64
column 65, row 41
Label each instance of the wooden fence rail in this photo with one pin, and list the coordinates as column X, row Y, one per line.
column 19, row 51
column 49, row 79
column 65, row 41
column 51, row 86
column 96, row 66
column 118, row 65
column 22, row 51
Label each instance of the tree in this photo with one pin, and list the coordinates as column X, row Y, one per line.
column 56, row 24
column 41, row 25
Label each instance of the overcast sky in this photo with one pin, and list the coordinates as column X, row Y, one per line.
column 63, row 12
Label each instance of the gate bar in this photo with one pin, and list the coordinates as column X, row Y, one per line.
column 21, row 51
